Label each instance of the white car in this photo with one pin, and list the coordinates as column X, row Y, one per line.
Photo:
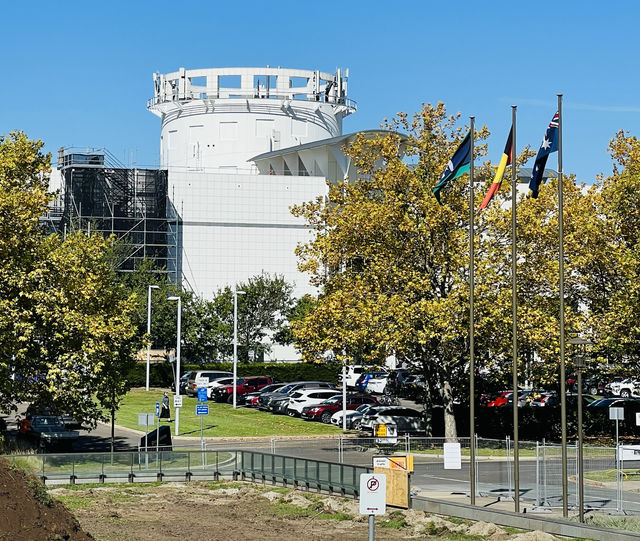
column 353, row 372
column 307, row 397
column 353, row 416
column 377, row 384
column 221, row 382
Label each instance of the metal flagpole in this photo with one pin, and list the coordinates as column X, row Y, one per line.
column 563, row 392
column 514, row 308
column 472, row 364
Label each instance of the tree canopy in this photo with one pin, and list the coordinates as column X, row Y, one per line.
column 66, row 335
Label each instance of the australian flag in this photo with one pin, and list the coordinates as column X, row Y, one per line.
column 549, row 145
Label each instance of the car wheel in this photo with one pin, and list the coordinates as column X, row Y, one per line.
column 326, row 418
column 593, row 390
column 291, row 413
column 625, row 393
column 357, row 425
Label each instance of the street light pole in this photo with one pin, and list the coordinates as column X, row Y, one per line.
column 235, row 342
column 178, row 339
column 149, row 333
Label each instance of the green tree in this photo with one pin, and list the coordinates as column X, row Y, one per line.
column 392, row 264
column 66, row 335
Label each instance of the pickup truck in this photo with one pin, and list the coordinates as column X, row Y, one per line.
column 49, row 432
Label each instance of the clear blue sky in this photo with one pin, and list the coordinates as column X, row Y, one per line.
column 79, row 73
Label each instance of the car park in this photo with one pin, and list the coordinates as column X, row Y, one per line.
column 324, row 411
column 307, row 397
column 216, row 384
column 545, row 399
column 407, row 420
column 211, row 375
column 183, row 382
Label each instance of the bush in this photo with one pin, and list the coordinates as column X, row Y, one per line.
column 161, row 374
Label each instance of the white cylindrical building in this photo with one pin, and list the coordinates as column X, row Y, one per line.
column 219, row 118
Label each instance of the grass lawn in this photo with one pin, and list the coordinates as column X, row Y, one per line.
column 222, row 420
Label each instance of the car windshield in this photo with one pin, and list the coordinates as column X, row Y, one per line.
column 332, row 400
column 363, row 408
column 241, row 381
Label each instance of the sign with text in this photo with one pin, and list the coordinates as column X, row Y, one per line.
column 157, row 409
column 202, row 382
column 202, row 409
column 373, row 494
column 385, row 433
column 452, row 456
column 177, row 401
column 202, row 394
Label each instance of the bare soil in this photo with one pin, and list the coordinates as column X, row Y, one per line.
column 28, row 513
column 245, row 512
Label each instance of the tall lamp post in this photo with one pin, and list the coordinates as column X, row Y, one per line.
column 579, row 358
column 177, row 410
column 235, row 342
column 149, row 332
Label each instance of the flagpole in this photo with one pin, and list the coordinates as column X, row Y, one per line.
column 514, row 309
column 472, row 363
column 563, row 392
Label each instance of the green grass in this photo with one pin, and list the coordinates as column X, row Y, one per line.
column 227, row 421
column 610, row 475
column 395, row 521
column 74, row 502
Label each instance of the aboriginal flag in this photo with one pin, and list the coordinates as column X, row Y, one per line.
column 507, row 158
column 457, row 166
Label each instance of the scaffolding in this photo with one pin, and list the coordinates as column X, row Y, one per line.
column 100, row 194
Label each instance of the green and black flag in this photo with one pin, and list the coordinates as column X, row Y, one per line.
column 457, row 166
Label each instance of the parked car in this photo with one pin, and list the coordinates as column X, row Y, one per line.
column 407, row 420
column 183, row 382
column 353, row 372
column 211, row 375
column 307, row 397
column 48, row 432
column 363, row 380
column 545, row 399
column 353, row 416
column 251, row 399
column 265, row 399
column 224, row 393
column 378, row 384
column 216, row 384
column 626, row 388
column 500, row 400
column 324, row 411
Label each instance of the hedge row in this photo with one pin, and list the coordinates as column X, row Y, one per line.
column 161, row 374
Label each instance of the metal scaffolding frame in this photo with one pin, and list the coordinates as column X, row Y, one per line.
column 100, row 194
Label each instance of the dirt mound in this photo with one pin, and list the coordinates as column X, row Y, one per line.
column 28, row 513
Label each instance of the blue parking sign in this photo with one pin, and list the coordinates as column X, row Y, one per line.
column 202, row 394
column 202, row 409
column 157, row 409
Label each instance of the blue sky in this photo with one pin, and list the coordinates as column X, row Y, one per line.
column 79, row 73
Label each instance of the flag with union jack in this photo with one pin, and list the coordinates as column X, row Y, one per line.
column 549, row 145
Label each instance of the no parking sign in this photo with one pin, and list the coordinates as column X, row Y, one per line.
column 373, row 494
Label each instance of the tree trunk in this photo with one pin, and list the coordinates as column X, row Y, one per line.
column 450, row 430
column 113, row 428
column 428, row 410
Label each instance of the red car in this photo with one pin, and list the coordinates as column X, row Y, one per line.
column 244, row 386
column 323, row 412
column 500, row 400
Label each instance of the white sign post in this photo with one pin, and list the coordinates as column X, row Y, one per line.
column 617, row 414
column 373, row 498
column 177, row 401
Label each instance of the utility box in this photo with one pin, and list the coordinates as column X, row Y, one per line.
column 398, row 469
column 164, row 443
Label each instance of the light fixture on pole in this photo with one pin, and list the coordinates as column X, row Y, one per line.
column 579, row 358
column 149, row 332
column 235, row 342
column 177, row 410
